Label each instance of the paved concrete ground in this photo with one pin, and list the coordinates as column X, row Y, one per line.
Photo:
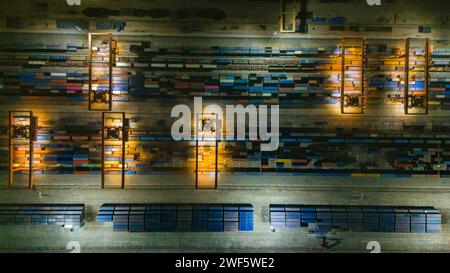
column 95, row 237
column 242, row 181
column 243, row 19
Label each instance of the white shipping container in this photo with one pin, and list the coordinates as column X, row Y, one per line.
column 122, row 64
column 58, row 74
column 175, row 65
column 36, row 62
column 209, row 66
column 158, row 65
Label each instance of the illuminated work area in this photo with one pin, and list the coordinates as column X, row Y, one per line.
column 102, row 140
